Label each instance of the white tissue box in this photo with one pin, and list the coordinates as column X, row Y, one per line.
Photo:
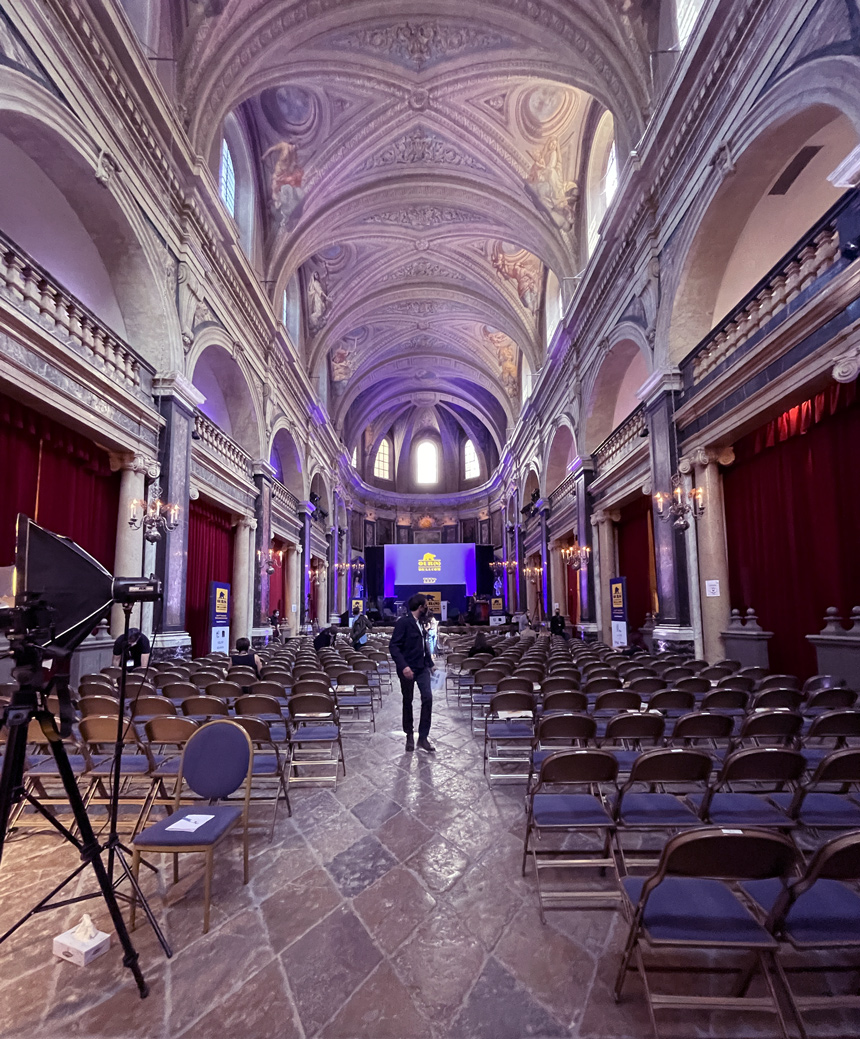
column 70, row 948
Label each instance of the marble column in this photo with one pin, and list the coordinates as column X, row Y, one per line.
column 583, row 472
column 240, row 625
column 304, row 513
column 331, row 575
column 713, row 548
column 128, row 556
column 669, row 541
column 177, row 400
column 558, row 578
column 603, row 561
column 546, row 587
column 263, row 476
column 520, row 577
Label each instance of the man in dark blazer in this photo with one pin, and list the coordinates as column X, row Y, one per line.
column 408, row 648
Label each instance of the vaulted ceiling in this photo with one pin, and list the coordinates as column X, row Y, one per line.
column 420, row 165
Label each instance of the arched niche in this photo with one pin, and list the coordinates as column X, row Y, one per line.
column 229, row 402
column 319, row 489
column 562, row 452
column 777, row 190
column 613, row 393
column 530, row 485
column 87, row 235
column 285, row 458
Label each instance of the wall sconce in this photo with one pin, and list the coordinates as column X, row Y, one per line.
column 154, row 516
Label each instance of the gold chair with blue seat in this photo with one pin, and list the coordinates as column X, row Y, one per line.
column 216, row 762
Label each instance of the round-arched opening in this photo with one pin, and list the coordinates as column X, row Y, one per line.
column 562, row 453
column 778, row 190
column 229, row 402
column 613, row 396
column 602, row 177
column 285, row 459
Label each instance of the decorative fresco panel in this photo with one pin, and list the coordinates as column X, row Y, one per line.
column 385, row 532
column 484, row 527
column 470, row 531
column 449, row 534
column 369, row 533
column 356, row 530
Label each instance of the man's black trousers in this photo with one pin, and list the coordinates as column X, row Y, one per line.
column 407, row 688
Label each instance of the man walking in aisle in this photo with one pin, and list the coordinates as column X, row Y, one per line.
column 408, row 648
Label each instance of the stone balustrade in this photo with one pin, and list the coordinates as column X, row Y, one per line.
column 564, row 490
column 282, row 498
column 812, row 259
column 225, row 449
column 30, row 289
column 621, row 442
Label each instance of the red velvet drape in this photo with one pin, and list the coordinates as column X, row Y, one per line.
column 60, row 479
column 210, row 558
column 792, row 518
column 634, row 558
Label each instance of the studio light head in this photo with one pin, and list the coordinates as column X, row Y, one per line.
column 60, row 592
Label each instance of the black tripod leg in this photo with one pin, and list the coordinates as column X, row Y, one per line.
column 39, row 906
column 141, row 898
column 91, row 852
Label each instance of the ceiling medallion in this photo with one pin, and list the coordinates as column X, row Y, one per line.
column 419, row 99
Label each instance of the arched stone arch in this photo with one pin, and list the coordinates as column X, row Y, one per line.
column 137, row 267
column 319, row 485
column 560, row 453
column 610, row 392
column 530, row 483
column 718, row 256
column 230, row 401
column 286, row 459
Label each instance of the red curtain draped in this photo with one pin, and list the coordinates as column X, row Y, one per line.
column 210, row 558
column 634, row 558
column 792, row 504
column 61, row 479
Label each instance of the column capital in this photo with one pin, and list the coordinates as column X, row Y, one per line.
column 664, row 380
column 246, row 523
column 136, row 463
column 705, row 456
column 175, row 384
column 605, row 516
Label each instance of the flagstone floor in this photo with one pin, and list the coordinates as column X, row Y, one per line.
column 390, row 908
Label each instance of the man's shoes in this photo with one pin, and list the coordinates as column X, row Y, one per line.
column 410, row 742
column 425, row 745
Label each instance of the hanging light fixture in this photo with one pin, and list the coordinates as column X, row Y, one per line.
column 154, row 516
column 575, row 555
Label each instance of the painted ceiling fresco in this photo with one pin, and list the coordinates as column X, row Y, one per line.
column 422, row 176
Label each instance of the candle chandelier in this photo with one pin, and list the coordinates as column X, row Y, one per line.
column 273, row 560
column 533, row 572
column 678, row 506
column 154, row 516
column 576, row 556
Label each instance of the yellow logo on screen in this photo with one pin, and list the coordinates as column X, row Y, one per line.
column 221, row 595
column 618, row 596
column 429, row 563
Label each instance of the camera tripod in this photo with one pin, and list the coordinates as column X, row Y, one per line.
column 29, row 702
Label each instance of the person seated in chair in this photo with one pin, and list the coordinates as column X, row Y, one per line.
column 481, row 645
column 243, row 657
column 557, row 625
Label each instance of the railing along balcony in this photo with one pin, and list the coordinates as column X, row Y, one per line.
column 29, row 288
column 814, row 256
column 226, row 450
column 620, row 443
column 284, row 499
column 564, row 490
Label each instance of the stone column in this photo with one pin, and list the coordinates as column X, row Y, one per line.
column 240, row 624
column 128, row 557
column 713, row 550
column 520, row 578
column 659, row 393
column 304, row 513
column 603, row 562
column 331, row 576
column 583, row 472
column 177, row 400
column 263, row 476
column 547, row 586
column 558, row 578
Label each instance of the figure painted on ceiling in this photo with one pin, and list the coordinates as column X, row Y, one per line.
column 523, row 269
column 287, row 176
column 342, row 368
column 505, row 350
column 546, row 179
column 318, row 301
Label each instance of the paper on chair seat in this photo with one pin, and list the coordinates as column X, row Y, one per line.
column 190, row 823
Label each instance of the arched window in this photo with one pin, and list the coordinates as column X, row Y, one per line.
column 382, row 465
column 227, row 179
column 471, row 465
column 602, row 176
column 354, row 458
column 426, row 463
column 686, row 13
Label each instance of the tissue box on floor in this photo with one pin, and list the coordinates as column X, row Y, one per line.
column 80, row 951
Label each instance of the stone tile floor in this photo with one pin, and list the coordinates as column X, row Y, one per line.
column 390, row 908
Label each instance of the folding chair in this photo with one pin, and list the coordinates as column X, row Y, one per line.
column 204, row 708
column 554, row 810
column 314, row 725
column 817, row 913
column 508, row 734
column 484, row 689
column 567, row 700
column 766, row 770
column 658, row 811
column 776, row 725
column 709, row 727
column 687, row 904
column 829, row 700
column 559, row 731
column 268, row 767
column 624, row 734
column 216, row 762
column 828, row 732
column 820, row 809
column 353, row 694
column 137, row 767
